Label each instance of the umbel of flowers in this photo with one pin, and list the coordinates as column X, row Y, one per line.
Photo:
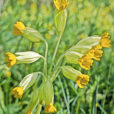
column 83, row 53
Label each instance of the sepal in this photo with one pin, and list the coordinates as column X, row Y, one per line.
column 32, row 35
column 60, row 20
column 70, row 73
column 28, row 80
column 27, row 57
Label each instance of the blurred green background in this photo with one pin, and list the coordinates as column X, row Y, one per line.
column 85, row 18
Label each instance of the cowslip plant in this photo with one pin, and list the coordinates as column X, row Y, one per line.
column 83, row 53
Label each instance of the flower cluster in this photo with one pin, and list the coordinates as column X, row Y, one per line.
column 27, row 58
column 82, row 53
column 95, row 52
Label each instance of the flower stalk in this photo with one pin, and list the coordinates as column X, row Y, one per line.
column 55, row 52
column 45, row 58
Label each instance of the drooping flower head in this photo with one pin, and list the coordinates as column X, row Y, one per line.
column 86, row 62
column 82, row 80
column 105, row 40
column 18, row 28
column 28, row 112
column 10, row 59
column 21, row 57
column 61, row 4
column 17, row 92
column 50, row 109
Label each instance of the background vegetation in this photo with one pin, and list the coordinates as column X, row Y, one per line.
column 85, row 18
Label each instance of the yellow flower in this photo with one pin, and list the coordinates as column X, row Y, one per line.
column 82, row 80
column 105, row 42
column 11, row 59
column 90, row 54
column 85, row 62
column 28, row 112
column 17, row 92
column 50, row 108
column 47, row 35
column 97, row 47
column 61, row 4
column 18, row 28
column 105, row 35
column 95, row 52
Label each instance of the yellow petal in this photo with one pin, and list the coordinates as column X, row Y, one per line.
column 18, row 28
column 82, row 80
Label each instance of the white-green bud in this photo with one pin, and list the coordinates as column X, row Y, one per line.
column 28, row 80
column 27, row 57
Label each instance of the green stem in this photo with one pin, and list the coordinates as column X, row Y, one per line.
column 57, row 71
column 55, row 76
column 59, row 39
column 45, row 59
column 32, row 46
column 55, row 52
column 59, row 60
column 39, row 109
column 57, row 64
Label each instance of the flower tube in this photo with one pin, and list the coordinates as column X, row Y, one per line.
column 21, row 57
column 75, row 75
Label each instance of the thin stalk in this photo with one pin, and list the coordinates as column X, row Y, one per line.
column 39, row 109
column 57, row 64
column 55, row 52
column 45, row 59
column 57, row 71
column 59, row 39
column 32, row 46
column 55, row 76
